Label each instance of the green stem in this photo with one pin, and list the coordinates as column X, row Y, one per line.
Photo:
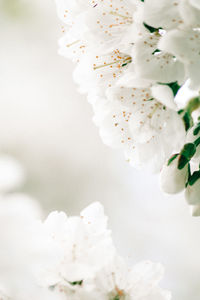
column 193, row 105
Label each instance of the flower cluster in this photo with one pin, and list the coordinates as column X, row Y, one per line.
column 133, row 57
column 67, row 257
column 85, row 265
column 63, row 257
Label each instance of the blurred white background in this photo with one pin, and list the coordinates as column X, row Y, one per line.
column 48, row 127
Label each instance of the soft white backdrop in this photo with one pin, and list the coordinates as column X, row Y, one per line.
column 47, row 125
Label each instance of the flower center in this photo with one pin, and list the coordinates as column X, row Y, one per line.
column 117, row 294
column 118, row 59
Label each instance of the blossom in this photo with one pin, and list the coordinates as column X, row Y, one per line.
column 184, row 44
column 119, row 281
column 109, row 23
column 67, row 257
column 132, row 59
column 171, row 14
column 153, row 64
column 127, row 56
column 78, row 244
column 101, row 72
column 163, row 14
column 132, row 119
column 88, row 264
column 180, row 22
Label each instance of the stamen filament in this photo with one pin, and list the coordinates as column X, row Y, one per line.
column 154, row 110
column 119, row 15
column 75, row 42
column 124, row 61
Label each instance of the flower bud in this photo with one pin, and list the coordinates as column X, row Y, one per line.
column 192, row 193
column 173, row 179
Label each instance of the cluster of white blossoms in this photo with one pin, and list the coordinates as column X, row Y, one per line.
column 67, row 257
column 85, row 264
column 62, row 257
column 132, row 59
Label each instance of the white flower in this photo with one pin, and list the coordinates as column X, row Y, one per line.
column 172, row 179
column 164, row 95
column 153, row 64
column 169, row 14
column 130, row 118
column 101, row 72
column 132, row 59
column 88, row 23
column 119, row 281
column 80, row 245
column 89, row 266
column 184, row 44
column 109, row 23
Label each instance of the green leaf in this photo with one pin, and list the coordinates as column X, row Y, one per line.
column 186, row 154
column 193, row 105
column 188, row 150
column 195, row 176
column 188, row 121
column 172, row 158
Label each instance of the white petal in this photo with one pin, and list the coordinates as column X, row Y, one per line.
column 163, row 13
column 164, row 95
column 185, row 45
